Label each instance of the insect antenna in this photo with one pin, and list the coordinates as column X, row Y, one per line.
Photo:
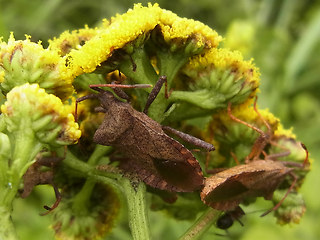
column 97, row 87
column 306, row 160
column 114, row 85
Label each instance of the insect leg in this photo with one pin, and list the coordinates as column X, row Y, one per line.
column 90, row 96
column 274, row 156
column 154, row 93
column 295, row 179
column 306, row 161
column 56, row 204
column 243, row 122
column 284, row 197
column 261, row 141
column 235, row 158
column 121, row 93
column 190, row 139
column 100, row 109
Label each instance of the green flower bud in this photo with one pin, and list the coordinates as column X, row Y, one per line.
column 291, row 210
column 218, row 77
column 31, row 107
column 27, row 62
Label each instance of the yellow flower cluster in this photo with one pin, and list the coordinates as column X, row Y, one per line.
column 247, row 113
column 174, row 27
column 74, row 40
column 123, row 29
column 45, row 111
column 224, row 59
column 25, row 61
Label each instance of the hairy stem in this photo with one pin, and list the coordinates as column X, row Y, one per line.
column 25, row 150
column 137, row 209
column 135, row 195
column 82, row 199
column 208, row 218
column 7, row 231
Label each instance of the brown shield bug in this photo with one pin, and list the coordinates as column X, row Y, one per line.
column 257, row 178
column 157, row 159
column 227, row 189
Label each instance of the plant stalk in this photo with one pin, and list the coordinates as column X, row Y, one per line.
column 208, row 218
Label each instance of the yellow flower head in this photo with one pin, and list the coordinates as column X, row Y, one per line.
column 181, row 30
column 217, row 77
column 224, row 60
column 122, row 30
column 51, row 121
column 136, row 25
column 88, row 119
column 27, row 62
column 246, row 113
column 74, row 40
column 236, row 138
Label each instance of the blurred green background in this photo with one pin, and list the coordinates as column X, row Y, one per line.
column 283, row 36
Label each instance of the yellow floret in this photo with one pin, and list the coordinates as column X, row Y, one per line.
column 71, row 40
column 124, row 29
column 174, row 27
column 27, row 62
column 224, row 59
column 30, row 102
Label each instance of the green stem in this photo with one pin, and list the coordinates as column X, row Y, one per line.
column 4, row 163
column 171, row 63
column 84, row 169
column 25, row 150
column 82, row 199
column 208, row 218
column 7, row 231
column 137, row 209
column 144, row 72
column 24, row 142
column 169, row 66
column 99, row 152
column 136, row 201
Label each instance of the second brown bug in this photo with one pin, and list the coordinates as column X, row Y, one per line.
column 226, row 189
